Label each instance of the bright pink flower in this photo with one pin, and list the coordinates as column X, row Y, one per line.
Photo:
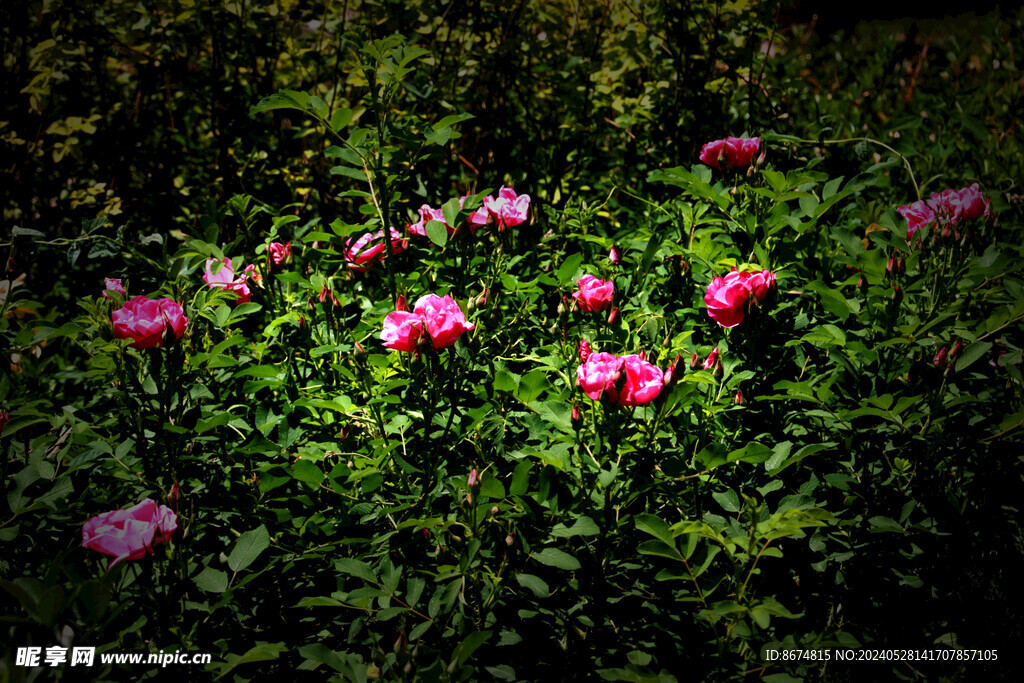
column 402, row 331
column 478, row 218
column 279, row 252
column 474, row 479
column 429, row 214
column 585, row 350
column 508, row 209
column 946, row 205
column 130, row 534
column 443, row 318
column 113, row 284
column 599, row 374
column 734, row 152
column 918, row 215
column 594, row 293
column 643, row 381
column 727, row 297
column 711, row 360
column 146, row 321
column 973, row 203
column 370, row 247
column 225, row 278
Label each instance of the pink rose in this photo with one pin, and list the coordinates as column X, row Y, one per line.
column 113, row 284
column 402, row 331
column 918, row 215
column 594, row 293
column 585, row 350
column 946, row 205
column 369, row 247
column 146, row 321
column 598, row 374
column 429, row 214
column 508, row 209
column 225, row 278
column 443, row 318
column 727, row 297
column 734, row 151
column 478, row 218
column 973, row 203
column 643, row 381
column 279, row 252
column 130, row 534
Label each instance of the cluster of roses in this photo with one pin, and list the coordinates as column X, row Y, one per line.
column 506, row 210
column 440, row 317
column 947, row 210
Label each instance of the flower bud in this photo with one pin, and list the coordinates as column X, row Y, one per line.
column 302, row 321
column 508, row 540
column 576, row 417
column 174, row 496
column 738, row 398
column 360, row 351
column 718, row 367
column 901, row 266
column 401, row 304
column 615, row 255
column 897, row 295
column 890, row 265
column 694, row 361
column 474, row 479
column 955, row 351
column 585, row 350
column 494, row 510
column 940, row 358
column 613, row 315
column 862, row 284
column 562, row 309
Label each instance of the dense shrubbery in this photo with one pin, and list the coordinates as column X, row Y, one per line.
column 504, row 349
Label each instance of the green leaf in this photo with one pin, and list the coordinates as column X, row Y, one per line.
column 971, row 354
column 347, row 565
column 285, row 99
column 248, row 547
column 450, row 211
column 568, row 268
column 212, row 580
column 260, row 653
column 534, row 583
column 554, row 557
column 437, row 232
column 584, row 526
column 729, row 500
column 467, row 647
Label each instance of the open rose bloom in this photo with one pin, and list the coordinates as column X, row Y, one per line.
column 224, row 277
column 729, row 297
column 439, row 316
column 948, row 209
column 730, row 152
column 278, row 252
column 627, row 380
column 594, row 293
column 444, row 320
column 508, row 209
column 112, row 284
column 368, row 248
column 146, row 321
column 130, row 534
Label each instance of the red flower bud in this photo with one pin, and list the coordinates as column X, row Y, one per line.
column 901, row 266
column 174, row 496
column 694, row 361
column 613, row 315
column 890, row 264
column 474, row 479
column 584, row 350
column 401, row 305
column 576, row 417
column 940, row 358
column 897, row 295
column 955, row 351
column 738, row 399
column 615, row 255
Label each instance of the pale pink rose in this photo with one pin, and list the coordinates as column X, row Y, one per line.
column 146, row 321
column 918, row 215
column 225, row 278
column 599, row 374
column 643, row 381
column 508, row 209
column 130, row 534
column 429, row 214
column 478, row 218
column 113, row 284
column 761, row 283
column 594, row 293
column 444, row 320
column 370, row 247
column 402, row 331
column 734, row 152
